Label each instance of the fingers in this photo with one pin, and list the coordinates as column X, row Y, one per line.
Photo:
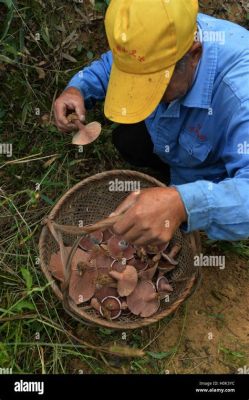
column 70, row 100
column 80, row 111
column 60, row 110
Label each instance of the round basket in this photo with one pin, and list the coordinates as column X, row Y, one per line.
column 90, row 201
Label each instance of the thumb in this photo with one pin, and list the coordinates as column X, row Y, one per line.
column 126, row 204
column 81, row 112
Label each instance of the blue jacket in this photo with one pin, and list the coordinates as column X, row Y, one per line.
column 204, row 137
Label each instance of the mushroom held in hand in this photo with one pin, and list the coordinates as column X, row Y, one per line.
column 119, row 249
column 87, row 133
column 144, row 300
column 127, row 280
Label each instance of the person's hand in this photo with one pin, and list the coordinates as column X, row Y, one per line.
column 151, row 216
column 71, row 100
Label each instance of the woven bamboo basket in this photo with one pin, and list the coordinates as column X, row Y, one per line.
column 91, row 201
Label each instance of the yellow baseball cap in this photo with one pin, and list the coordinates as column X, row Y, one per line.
column 147, row 38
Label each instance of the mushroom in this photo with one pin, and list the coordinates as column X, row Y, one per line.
column 127, row 280
column 119, row 265
column 101, row 258
column 144, row 301
column 55, row 265
column 172, row 254
column 155, row 249
column 91, row 240
column 81, row 260
column 119, row 248
column 83, row 278
column 140, row 265
column 163, row 286
column 82, row 287
column 165, row 267
column 149, row 273
column 141, row 253
column 105, row 291
column 87, row 133
column 95, row 304
column 107, row 234
column 110, row 307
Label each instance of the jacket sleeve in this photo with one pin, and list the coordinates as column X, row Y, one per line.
column 222, row 209
column 93, row 80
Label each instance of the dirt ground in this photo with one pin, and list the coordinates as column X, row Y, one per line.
column 212, row 334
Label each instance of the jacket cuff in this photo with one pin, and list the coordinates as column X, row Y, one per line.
column 196, row 201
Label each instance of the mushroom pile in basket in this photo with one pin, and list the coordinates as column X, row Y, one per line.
column 117, row 277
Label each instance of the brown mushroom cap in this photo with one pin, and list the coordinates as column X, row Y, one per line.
column 127, row 280
column 163, row 285
column 111, row 307
column 107, row 234
column 144, row 300
column 80, row 259
column 101, row 258
column 140, row 265
column 119, row 265
column 55, row 265
column 82, row 287
column 119, row 249
column 105, row 291
column 148, row 274
column 91, row 240
column 83, row 278
column 87, row 133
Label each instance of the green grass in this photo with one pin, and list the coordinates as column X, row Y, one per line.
column 36, row 335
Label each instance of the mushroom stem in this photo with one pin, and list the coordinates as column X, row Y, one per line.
column 95, row 304
column 175, row 250
column 116, row 275
column 153, row 296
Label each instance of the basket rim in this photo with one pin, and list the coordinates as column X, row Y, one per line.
column 79, row 313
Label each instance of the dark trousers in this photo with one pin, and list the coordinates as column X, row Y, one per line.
column 135, row 146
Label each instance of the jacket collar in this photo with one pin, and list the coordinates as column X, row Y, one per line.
column 200, row 94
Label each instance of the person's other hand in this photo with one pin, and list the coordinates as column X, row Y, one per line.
column 151, row 216
column 70, row 101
